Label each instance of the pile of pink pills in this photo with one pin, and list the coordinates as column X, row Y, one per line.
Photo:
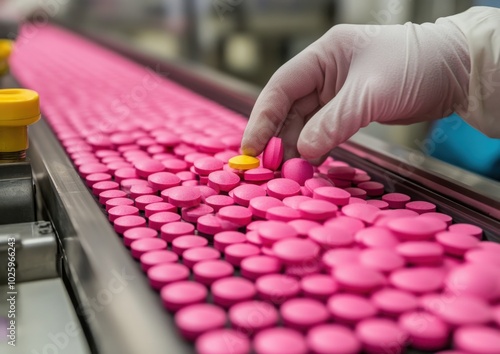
column 284, row 258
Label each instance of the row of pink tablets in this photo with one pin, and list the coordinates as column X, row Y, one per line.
column 283, row 258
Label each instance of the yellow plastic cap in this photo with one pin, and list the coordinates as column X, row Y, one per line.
column 5, row 48
column 243, row 162
column 18, row 109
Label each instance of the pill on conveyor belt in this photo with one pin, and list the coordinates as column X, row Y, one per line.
column 333, row 339
column 223, row 180
column 281, row 188
column 121, row 210
column 137, row 233
column 243, row 194
column 477, row 339
column 434, row 335
column 194, row 320
column 283, row 213
column 349, row 309
column 167, row 273
column 303, row 313
column 467, row 229
column 256, row 266
column 421, row 207
column 216, row 342
column 206, row 272
column 273, row 231
column 216, row 202
column 331, row 237
column 170, row 231
column 277, row 288
column 236, row 214
column 259, row 174
column 140, row 246
column 243, row 162
column 226, row 238
column 229, row 291
column 123, row 223
column 272, row 156
column 152, row 258
column 318, row 286
column 297, row 169
column 182, row 243
column 235, row 253
column 260, row 205
column 250, row 317
column 158, row 207
column 157, row 220
column 194, row 255
column 394, row 302
column 279, row 340
column 419, row 280
column 181, row 294
column 380, row 335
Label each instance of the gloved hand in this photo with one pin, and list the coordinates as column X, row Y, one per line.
column 357, row 74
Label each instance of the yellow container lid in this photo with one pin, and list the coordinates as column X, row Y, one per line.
column 5, row 48
column 19, row 107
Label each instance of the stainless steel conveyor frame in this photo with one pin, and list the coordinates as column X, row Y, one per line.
column 118, row 310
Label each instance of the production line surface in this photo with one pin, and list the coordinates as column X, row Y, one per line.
column 329, row 262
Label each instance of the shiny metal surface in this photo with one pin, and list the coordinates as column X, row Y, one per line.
column 36, row 251
column 123, row 314
column 17, row 195
column 45, row 320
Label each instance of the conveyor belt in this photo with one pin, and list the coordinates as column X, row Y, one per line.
column 95, row 100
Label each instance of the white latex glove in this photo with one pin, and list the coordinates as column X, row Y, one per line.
column 357, row 74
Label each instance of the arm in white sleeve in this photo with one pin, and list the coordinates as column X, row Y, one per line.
column 481, row 27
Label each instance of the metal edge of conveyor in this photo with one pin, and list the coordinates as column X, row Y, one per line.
column 115, row 302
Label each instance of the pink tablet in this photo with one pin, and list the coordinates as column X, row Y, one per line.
column 477, row 339
column 123, row 223
column 223, row 180
column 192, row 214
column 273, row 154
column 194, row 320
column 303, row 313
column 235, row 253
column 194, row 255
column 467, row 229
column 380, row 335
column 243, row 194
column 337, row 257
column 279, row 341
column 182, row 243
column 421, row 253
column 121, row 210
column 358, row 279
column 430, row 337
column 318, row 286
column 381, row 259
column 418, row 280
column 260, row 205
column 236, row 214
column 281, row 188
column 393, row 302
column 167, row 273
column 206, row 272
column 298, row 170
column 396, row 200
column 231, row 290
column 154, row 208
column 331, row 237
column 182, row 293
column 283, row 213
column 223, row 341
column 333, row 339
column 251, row 317
column 158, row 220
column 254, row 267
column 277, row 288
column 273, row 231
column 318, row 210
column 293, row 251
column 138, row 233
column 227, row 238
column 464, row 310
column 216, row 202
column 152, row 258
column 350, row 309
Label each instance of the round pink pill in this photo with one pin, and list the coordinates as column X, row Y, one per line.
column 377, row 237
column 363, row 212
column 282, row 213
column 223, row 341
column 372, row 189
column 350, row 309
column 236, row 214
column 337, row 257
column 183, row 196
column 123, row 223
column 416, row 228
column 342, row 172
column 273, row 231
column 475, row 280
column 298, row 170
column 303, row 227
column 147, row 167
column 235, row 253
column 456, row 244
column 142, row 201
column 194, row 320
column 254, row 267
column 394, row 302
column 463, row 310
column 192, row 214
column 318, row 286
column 166, row 273
column 163, row 180
column 152, row 258
column 381, row 259
column 418, row 280
column 380, row 335
column 334, row 195
column 355, row 192
column 111, row 194
column 303, row 313
column 182, row 243
column 421, row 207
column 143, row 245
column 121, row 210
column 467, row 229
column 251, row 317
column 260, row 205
column 219, row 201
column 443, row 217
column 97, row 177
column 198, row 254
column 211, row 224
column 207, row 165
column 181, row 294
column 332, row 339
column 318, row 210
column 138, row 233
column 293, row 251
column 358, row 278
column 172, row 230
column 111, row 203
column 426, row 331
column 279, row 341
column 273, row 154
column 277, row 288
column 421, row 252
column 281, row 188
column 206, row 272
column 245, row 193
column 259, row 174
column 229, row 291
column 138, row 190
column 223, row 180
column 396, row 200
column 477, row 339
column 154, row 208
column 158, row 220
column 294, row 201
column 346, row 222
column 226, row 238
column 483, row 256
column 331, row 237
